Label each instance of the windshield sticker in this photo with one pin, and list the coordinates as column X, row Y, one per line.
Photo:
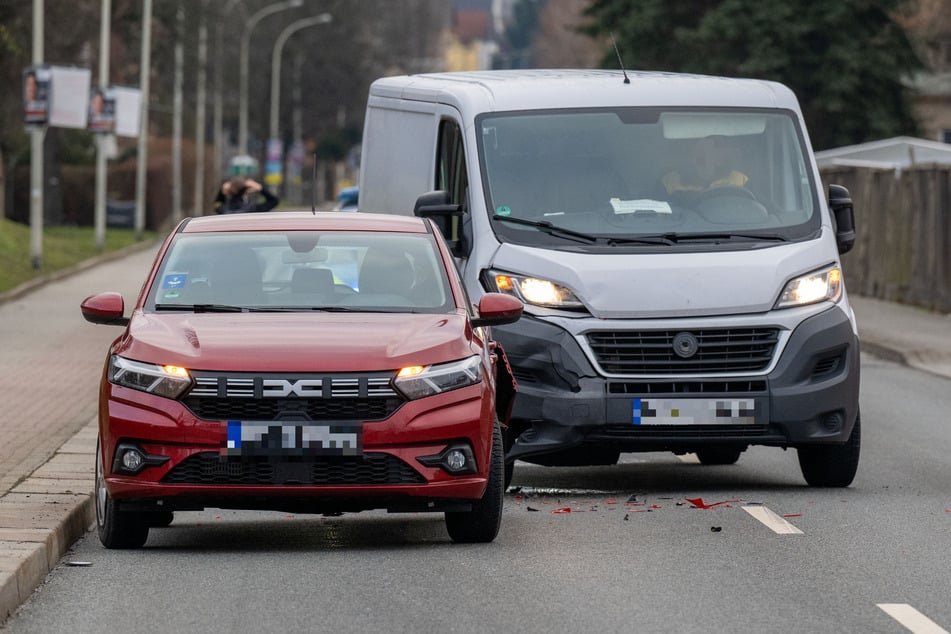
column 503, row 211
column 175, row 280
column 644, row 205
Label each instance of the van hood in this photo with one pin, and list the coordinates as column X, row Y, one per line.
column 295, row 342
column 630, row 285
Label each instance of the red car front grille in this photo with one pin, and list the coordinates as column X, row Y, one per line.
column 209, row 468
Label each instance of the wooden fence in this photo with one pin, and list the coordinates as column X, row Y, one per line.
column 902, row 249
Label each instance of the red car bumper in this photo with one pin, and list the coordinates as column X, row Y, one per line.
column 188, row 466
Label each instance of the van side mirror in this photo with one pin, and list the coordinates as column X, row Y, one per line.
column 438, row 207
column 840, row 203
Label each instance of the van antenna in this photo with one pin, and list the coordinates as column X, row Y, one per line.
column 313, row 188
column 621, row 63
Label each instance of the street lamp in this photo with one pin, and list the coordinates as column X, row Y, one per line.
column 294, row 27
column 245, row 44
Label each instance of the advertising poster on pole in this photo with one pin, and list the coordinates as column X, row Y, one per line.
column 69, row 97
column 273, row 168
column 102, row 111
column 36, row 95
column 128, row 103
column 295, row 163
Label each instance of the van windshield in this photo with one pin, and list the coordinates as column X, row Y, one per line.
column 647, row 177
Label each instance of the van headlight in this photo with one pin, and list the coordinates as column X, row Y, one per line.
column 812, row 288
column 420, row 381
column 170, row 381
column 535, row 290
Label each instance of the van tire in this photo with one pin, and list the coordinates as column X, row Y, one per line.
column 480, row 525
column 832, row 465
column 508, row 441
column 719, row 455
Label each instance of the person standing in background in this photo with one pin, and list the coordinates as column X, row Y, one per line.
column 241, row 195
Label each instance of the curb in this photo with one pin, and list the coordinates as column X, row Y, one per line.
column 38, row 282
column 43, row 516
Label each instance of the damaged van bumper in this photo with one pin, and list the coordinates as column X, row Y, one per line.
column 568, row 407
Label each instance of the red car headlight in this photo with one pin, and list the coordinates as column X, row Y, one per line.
column 421, row 381
column 162, row 380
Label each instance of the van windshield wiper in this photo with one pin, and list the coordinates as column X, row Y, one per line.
column 708, row 237
column 550, row 229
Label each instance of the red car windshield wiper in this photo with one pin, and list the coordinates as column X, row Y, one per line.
column 203, row 308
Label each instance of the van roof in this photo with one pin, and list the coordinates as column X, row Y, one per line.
column 500, row 90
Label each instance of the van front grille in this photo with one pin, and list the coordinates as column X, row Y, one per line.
column 654, row 351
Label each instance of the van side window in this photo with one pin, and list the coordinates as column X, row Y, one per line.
column 451, row 174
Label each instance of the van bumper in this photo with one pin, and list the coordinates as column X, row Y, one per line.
column 810, row 396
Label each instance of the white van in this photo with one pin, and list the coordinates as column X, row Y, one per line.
column 676, row 253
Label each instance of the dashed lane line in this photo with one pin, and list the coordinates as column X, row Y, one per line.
column 911, row 618
column 772, row 521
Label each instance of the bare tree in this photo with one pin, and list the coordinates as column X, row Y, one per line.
column 558, row 44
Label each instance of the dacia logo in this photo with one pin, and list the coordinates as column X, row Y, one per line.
column 282, row 388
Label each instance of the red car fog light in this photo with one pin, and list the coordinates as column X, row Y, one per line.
column 456, row 459
column 132, row 459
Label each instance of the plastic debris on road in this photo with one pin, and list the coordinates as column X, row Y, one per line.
column 698, row 503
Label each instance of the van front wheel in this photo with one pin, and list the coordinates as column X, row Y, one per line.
column 832, row 465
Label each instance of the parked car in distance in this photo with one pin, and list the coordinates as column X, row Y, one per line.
column 348, row 199
column 307, row 363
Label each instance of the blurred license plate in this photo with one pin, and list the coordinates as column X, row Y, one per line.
column 251, row 438
column 693, row 411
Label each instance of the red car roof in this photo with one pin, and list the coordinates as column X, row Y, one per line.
column 306, row 221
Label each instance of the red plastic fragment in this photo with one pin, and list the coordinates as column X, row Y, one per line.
column 566, row 509
column 700, row 504
column 792, row 514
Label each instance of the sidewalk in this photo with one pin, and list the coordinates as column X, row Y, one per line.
column 51, row 365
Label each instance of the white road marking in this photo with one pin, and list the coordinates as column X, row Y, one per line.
column 911, row 618
column 772, row 521
column 689, row 458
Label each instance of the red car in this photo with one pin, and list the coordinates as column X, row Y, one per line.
column 301, row 362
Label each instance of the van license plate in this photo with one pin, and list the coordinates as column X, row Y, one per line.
column 256, row 438
column 693, row 411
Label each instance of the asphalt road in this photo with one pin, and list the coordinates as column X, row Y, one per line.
column 633, row 554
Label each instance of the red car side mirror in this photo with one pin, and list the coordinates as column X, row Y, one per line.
column 104, row 308
column 496, row 309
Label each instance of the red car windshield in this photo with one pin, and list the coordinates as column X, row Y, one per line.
column 302, row 271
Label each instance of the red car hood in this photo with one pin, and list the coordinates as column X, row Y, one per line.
column 295, row 342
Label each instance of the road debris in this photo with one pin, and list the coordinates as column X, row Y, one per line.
column 700, row 504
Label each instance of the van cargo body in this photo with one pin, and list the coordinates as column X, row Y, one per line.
column 669, row 236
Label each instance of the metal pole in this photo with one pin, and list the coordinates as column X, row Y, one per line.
column 218, row 116
column 177, row 97
column 99, row 214
column 199, row 202
column 294, row 184
column 37, row 133
column 245, row 45
column 145, row 68
column 290, row 30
